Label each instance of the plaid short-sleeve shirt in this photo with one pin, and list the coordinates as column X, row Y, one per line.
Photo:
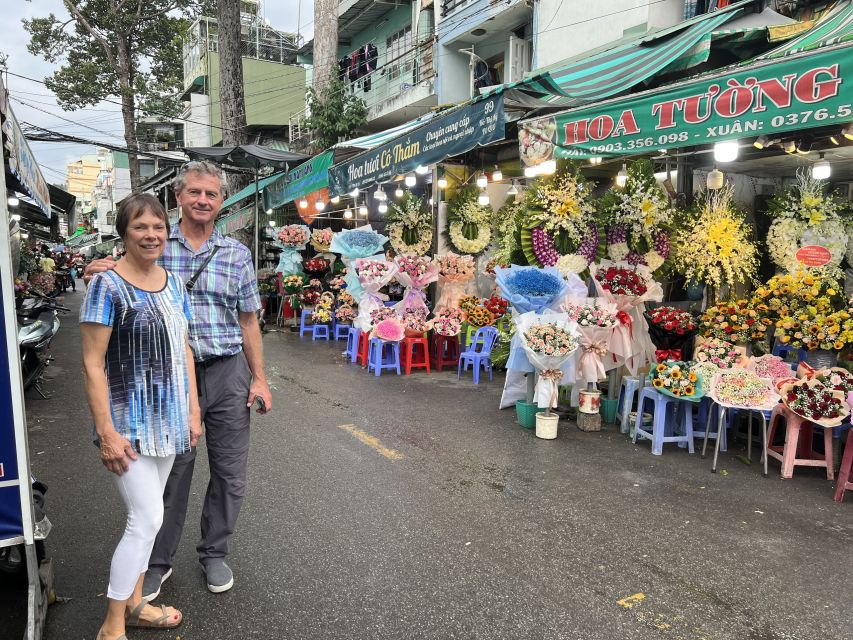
column 225, row 287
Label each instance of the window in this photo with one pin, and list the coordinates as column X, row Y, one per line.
column 398, row 53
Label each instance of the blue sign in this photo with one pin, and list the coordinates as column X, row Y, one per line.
column 11, row 518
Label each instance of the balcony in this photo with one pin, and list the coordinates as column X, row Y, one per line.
column 476, row 21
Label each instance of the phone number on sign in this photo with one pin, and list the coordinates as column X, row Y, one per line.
column 640, row 143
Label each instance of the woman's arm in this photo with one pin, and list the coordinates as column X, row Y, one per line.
column 116, row 451
column 195, row 410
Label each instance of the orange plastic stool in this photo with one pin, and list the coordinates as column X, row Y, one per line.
column 412, row 359
column 797, row 450
column 445, row 351
column 363, row 342
column 844, row 483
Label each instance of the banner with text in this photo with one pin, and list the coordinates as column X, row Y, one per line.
column 308, row 177
column 788, row 95
column 448, row 135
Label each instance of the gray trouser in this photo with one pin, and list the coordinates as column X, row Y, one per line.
column 223, row 389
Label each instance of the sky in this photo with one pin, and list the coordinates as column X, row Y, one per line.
column 42, row 109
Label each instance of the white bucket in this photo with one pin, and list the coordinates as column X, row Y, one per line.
column 546, row 426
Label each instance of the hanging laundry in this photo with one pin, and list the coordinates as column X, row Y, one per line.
column 370, row 53
column 353, row 66
column 343, row 68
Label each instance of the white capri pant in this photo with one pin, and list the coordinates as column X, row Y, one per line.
column 141, row 487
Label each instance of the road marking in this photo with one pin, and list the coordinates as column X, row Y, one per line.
column 371, row 442
column 630, row 601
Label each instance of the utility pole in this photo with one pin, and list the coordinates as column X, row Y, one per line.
column 325, row 44
column 231, row 94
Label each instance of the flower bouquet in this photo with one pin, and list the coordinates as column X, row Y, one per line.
column 44, row 282
column 415, row 273
column 337, row 283
column 595, row 323
column 466, row 303
column 674, row 378
column 379, row 314
column 813, row 401
column 291, row 239
column 410, row 226
column 670, row 329
column 345, row 314
column 321, row 240
column 718, row 352
column 497, row 306
column 315, row 265
column 836, row 379
column 743, row 389
column 373, row 274
column 390, row 329
column 705, row 374
column 345, row 298
column 548, row 340
column 736, row 321
column 628, row 288
column 478, row 316
column 772, row 368
column 455, row 274
column 811, row 329
column 321, row 315
column 415, row 322
column 356, row 243
column 447, row 322
column 308, row 297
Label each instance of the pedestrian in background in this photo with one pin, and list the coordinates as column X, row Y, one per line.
column 226, row 344
column 142, row 394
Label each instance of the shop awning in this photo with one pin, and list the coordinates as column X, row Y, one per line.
column 307, row 178
column 83, row 240
column 834, row 28
column 240, row 219
column 450, row 133
column 249, row 191
column 769, row 96
column 375, row 139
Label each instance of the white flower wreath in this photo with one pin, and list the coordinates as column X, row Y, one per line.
column 470, row 212
column 410, row 215
column 419, row 248
column 463, row 244
column 787, row 235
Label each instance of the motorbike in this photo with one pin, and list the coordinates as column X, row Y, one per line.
column 13, row 559
column 38, row 322
column 63, row 280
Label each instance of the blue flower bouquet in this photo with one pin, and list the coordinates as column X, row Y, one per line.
column 357, row 243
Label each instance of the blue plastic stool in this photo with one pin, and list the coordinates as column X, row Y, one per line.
column 667, row 414
column 320, row 332
column 383, row 355
column 305, row 324
column 342, row 332
column 627, row 394
column 783, row 351
column 707, row 410
column 352, row 343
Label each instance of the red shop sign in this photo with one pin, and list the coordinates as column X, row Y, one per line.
column 813, row 255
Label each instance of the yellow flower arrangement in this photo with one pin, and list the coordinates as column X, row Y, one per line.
column 811, row 329
column 787, row 294
column 737, row 321
column 466, row 303
column 479, row 317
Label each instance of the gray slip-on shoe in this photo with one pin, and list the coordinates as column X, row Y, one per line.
column 219, row 575
column 154, row 579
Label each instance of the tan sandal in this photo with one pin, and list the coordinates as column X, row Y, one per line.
column 133, row 618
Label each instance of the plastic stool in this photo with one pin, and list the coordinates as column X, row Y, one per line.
column 362, row 349
column 352, row 344
column 410, row 356
column 844, row 483
column 445, row 351
column 304, row 322
column 664, row 406
column 782, row 351
column 704, row 416
column 627, row 393
column 797, row 450
column 320, row 332
column 383, row 355
column 341, row 331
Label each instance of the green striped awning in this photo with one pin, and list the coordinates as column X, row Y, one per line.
column 375, row 139
column 833, row 28
column 249, row 191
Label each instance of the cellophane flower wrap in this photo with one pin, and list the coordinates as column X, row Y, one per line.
column 743, row 389
column 595, row 320
column 670, row 329
column 675, row 379
column 415, row 273
column 455, row 275
column 379, row 314
column 390, row 329
column 352, row 244
column 321, row 240
column 772, row 368
column 628, row 287
column 415, row 322
column 811, row 400
column 549, row 340
column 373, row 274
column 291, row 239
column 721, row 353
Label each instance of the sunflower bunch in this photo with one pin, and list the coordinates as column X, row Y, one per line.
column 479, row 316
column 789, row 293
column 811, row 329
column 676, row 379
column 466, row 303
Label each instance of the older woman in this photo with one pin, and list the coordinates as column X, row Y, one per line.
column 143, row 398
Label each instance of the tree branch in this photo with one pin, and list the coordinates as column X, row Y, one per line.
column 78, row 15
column 150, row 16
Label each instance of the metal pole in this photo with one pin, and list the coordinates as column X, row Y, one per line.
column 257, row 220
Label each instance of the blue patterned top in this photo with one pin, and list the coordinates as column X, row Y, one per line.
column 226, row 286
column 146, row 360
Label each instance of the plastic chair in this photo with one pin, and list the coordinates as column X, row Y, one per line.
column 479, row 353
column 844, row 483
column 797, row 450
column 362, row 350
column 305, row 324
column 320, row 332
column 352, row 343
column 341, row 331
column 783, row 351
column 411, row 358
column 668, row 412
column 445, row 351
column 383, row 355
column 627, row 393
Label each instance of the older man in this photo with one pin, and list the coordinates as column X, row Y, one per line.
column 226, row 344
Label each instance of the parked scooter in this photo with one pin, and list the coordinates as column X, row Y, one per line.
column 38, row 322
column 13, row 559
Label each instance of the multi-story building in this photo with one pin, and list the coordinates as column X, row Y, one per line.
column 81, row 177
column 274, row 85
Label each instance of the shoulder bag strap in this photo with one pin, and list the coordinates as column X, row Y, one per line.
column 191, row 282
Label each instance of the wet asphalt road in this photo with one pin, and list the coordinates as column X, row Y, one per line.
column 411, row 507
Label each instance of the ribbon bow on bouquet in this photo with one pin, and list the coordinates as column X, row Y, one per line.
column 549, row 341
column 373, row 274
column 596, row 320
column 662, row 355
column 414, row 273
column 291, row 239
column 553, row 377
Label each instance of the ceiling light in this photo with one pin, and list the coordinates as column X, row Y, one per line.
column 548, row 167
column 726, row 151
column 335, row 199
column 789, row 146
column 16, row 217
column 348, row 213
column 497, row 174
column 847, row 131
column 421, row 170
column 354, row 193
column 483, row 199
column 594, row 160
column 269, row 211
column 431, row 202
column 319, row 205
column 399, row 193
column 482, row 181
column 622, row 176
column 714, row 180
column 303, row 204
column 362, row 210
column 382, row 208
column 442, row 183
column 762, row 142
column 530, row 172
column 821, row 169
column 804, row 146
column 380, row 194
column 411, row 180
column 12, row 201
column 25, row 235
column 835, row 139
column 271, row 223
column 513, row 190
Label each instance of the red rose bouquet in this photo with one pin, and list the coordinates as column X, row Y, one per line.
column 496, row 305
column 670, row 329
column 811, row 400
column 315, row 265
column 621, row 281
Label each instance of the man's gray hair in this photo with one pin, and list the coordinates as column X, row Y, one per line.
column 202, row 167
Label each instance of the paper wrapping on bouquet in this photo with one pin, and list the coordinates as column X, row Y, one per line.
column 545, row 394
column 787, row 375
column 451, row 288
column 592, row 354
column 350, row 250
column 668, row 344
column 413, row 296
column 771, row 398
column 330, row 258
column 630, row 344
column 845, row 405
column 290, row 260
column 572, row 286
column 697, row 385
column 370, row 297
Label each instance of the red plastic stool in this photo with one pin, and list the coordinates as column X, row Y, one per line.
column 844, row 472
column 412, row 357
column 363, row 342
column 445, row 351
column 797, row 450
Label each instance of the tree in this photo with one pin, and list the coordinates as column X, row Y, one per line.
column 325, row 44
column 335, row 113
column 129, row 49
column 231, row 95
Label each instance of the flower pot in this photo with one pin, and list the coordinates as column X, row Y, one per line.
column 821, row 358
column 589, row 402
column 608, row 410
column 526, row 413
column 546, row 426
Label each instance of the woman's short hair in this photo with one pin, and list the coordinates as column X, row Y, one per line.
column 134, row 206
